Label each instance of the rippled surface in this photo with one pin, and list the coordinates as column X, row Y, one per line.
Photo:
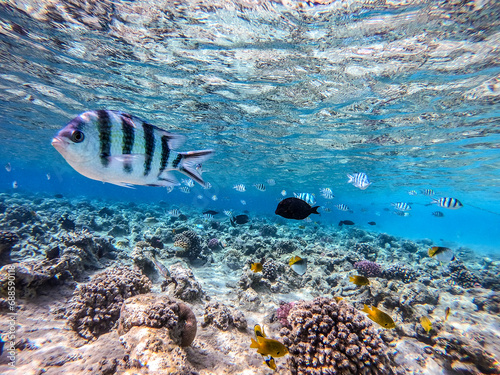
column 295, row 91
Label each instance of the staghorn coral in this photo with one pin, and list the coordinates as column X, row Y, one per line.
column 368, row 268
column 95, row 306
column 7, row 240
column 330, row 337
column 155, row 311
column 221, row 316
column 189, row 244
column 401, row 272
column 461, row 275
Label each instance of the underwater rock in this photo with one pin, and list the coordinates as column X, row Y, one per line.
column 489, row 302
column 233, row 259
column 66, row 223
column 268, row 230
column 154, row 311
column 7, row 241
column 18, row 216
column 417, row 294
column 383, row 239
column 141, row 256
column 368, row 268
column 249, row 299
column 221, row 316
column 152, row 351
column 94, row 246
column 95, row 306
column 327, row 336
column 183, row 285
column 189, row 244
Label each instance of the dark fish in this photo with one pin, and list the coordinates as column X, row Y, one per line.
column 240, row 219
column 58, row 196
column 295, row 208
column 1, row 345
column 210, row 212
column 372, row 223
column 438, row 214
column 346, row 222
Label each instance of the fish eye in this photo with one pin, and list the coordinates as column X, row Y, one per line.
column 77, row 136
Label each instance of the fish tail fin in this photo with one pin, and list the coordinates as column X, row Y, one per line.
column 366, row 309
column 341, row 223
column 232, row 221
column 351, row 279
column 351, row 178
column 314, row 210
column 434, row 201
column 254, row 344
column 190, row 160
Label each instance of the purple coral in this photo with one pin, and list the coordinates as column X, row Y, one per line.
column 282, row 313
column 367, row 268
column 213, row 243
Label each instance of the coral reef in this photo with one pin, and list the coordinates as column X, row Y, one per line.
column 268, row 230
column 285, row 247
column 221, row 316
column 462, row 276
column 366, row 250
column 95, row 306
column 7, row 240
column 401, row 272
column 270, row 270
column 155, row 311
column 213, row 244
column 282, row 313
column 189, row 244
column 368, row 268
column 333, row 337
column 183, row 285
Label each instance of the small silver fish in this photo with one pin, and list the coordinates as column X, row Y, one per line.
column 306, row 197
column 450, row 203
column 240, row 187
column 162, row 270
column 271, row 182
column 326, row 193
column 185, row 189
column 260, row 187
column 175, row 212
column 342, row 207
column 214, row 197
column 8, row 167
column 401, row 206
column 359, row 180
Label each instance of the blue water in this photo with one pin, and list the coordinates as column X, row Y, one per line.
column 303, row 96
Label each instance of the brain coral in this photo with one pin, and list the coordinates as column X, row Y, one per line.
column 95, row 306
column 330, row 337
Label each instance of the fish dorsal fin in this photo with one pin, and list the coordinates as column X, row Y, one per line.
column 174, row 140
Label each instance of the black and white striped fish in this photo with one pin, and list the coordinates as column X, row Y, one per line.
column 121, row 149
column 401, row 206
column 360, row 180
column 342, row 207
column 260, row 187
column 427, row 192
column 445, row 202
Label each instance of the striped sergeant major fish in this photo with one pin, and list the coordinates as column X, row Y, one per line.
column 427, row 192
column 445, row 202
column 359, row 180
column 401, row 206
column 121, row 149
column 260, row 187
column 342, row 207
column 307, row 197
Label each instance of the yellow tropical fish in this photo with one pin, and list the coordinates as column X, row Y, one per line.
column 266, row 346
column 379, row 317
column 446, row 313
column 269, row 361
column 359, row 280
column 442, row 254
column 426, row 323
column 338, row 299
column 256, row 267
column 259, row 331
